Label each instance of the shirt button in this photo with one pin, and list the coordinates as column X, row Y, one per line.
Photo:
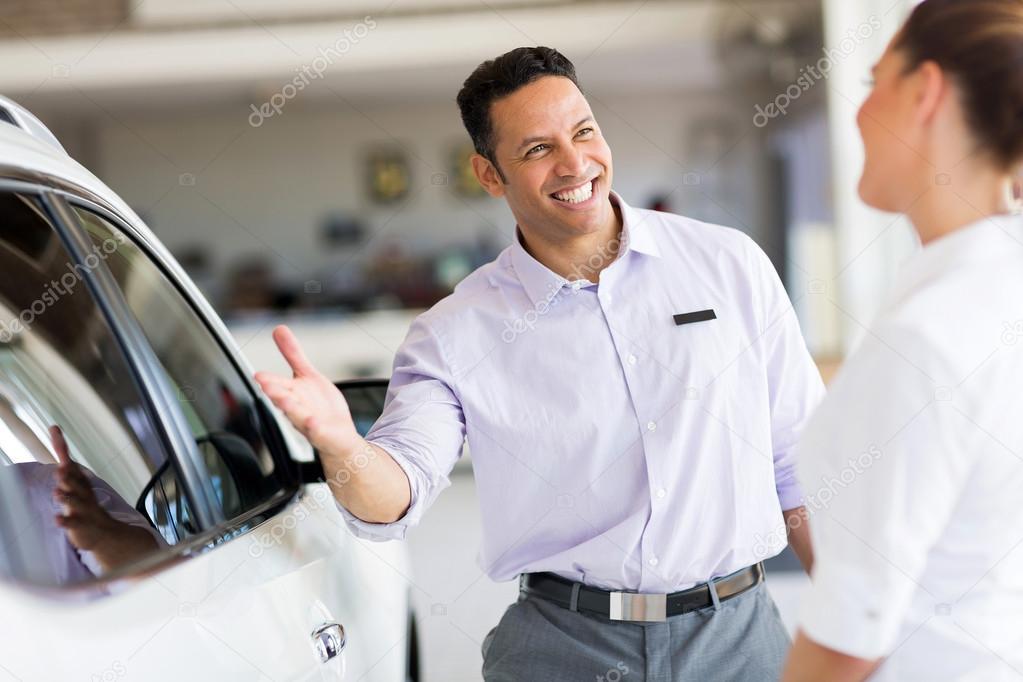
column 653, row 561
column 632, row 359
column 661, row 493
column 650, row 426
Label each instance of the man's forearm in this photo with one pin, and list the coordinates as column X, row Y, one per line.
column 797, row 528
column 811, row 662
column 367, row 481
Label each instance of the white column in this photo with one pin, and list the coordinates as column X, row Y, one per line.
column 870, row 244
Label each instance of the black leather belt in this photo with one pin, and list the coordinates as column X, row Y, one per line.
column 635, row 606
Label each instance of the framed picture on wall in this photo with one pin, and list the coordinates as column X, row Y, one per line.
column 463, row 180
column 388, row 175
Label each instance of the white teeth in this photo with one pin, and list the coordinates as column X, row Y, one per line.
column 576, row 196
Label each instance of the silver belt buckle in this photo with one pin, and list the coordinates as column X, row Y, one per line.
column 645, row 608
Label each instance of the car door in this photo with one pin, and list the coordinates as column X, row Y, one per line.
column 326, row 581
column 255, row 579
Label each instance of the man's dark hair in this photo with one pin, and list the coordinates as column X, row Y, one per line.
column 497, row 78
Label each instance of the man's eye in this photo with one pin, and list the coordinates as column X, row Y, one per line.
column 536, row 149
column 585, row 131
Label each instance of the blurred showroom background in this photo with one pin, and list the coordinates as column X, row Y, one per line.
column 306, row 163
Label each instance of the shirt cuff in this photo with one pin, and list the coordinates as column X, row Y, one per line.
column 381, row 532
column 844, row 612
column 790, row 494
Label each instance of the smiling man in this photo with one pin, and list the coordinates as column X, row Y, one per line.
column 630, row 384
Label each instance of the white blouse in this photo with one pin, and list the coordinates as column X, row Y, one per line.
column 913, row 472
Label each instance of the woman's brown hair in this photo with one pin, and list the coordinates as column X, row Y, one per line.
column 979, row 43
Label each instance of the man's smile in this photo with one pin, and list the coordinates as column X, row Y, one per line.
column 579, row 196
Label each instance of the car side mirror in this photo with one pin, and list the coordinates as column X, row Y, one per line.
column 236, row 476
column 365, row 398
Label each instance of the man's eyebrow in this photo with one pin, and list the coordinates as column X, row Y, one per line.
column 540, row 138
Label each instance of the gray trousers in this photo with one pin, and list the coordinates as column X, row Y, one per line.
column 743, row 639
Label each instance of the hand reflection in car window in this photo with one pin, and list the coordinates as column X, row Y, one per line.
column 87, row 527
column 61, row 363
column 104, row 528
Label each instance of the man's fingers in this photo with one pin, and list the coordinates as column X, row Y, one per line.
column 269, row 382
column 68, row 522
column 277, row 395
column 60, row 445
column 292, row 351
column 262, row 378
column 68, row 480
column 74, row 499
column 286, row 401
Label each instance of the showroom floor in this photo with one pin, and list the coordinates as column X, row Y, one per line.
column 457, row 604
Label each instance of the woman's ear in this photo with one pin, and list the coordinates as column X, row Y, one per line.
column 487, row 175
column 931, row 90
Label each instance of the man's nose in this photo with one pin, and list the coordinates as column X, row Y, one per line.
column 572, row 162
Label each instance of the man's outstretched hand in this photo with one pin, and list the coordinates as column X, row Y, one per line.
column 373, row 487
column 310, row 400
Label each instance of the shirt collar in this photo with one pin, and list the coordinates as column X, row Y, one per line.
column 543, row 284
column 989, row 238
column 636, row 229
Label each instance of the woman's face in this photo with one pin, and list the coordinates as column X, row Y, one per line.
column 895, row 169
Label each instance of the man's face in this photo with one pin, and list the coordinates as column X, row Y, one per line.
column 556, row 164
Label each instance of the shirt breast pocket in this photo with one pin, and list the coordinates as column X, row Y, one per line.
column 704, row 352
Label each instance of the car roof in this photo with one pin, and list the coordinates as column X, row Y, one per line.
column 32, row 154
column 28, row 151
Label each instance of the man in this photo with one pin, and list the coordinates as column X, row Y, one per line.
column 630, row 384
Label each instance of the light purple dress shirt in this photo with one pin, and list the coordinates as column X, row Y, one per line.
column 610, row 445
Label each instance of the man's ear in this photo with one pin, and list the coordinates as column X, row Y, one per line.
column 487, row 175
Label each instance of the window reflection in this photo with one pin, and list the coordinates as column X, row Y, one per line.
column 220, row 409
column 68, row 496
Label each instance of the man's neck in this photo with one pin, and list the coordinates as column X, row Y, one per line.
column 583, row 257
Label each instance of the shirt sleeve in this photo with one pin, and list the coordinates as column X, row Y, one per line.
column 883, row 470
column 794, row 383
column 422, row 428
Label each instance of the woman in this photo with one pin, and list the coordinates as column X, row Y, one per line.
column 918, row 449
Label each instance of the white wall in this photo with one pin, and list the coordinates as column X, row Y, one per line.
column 265, row 189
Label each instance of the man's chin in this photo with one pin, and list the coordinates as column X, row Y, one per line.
column 587, row 222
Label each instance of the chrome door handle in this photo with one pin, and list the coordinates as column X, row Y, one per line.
column 329, row 641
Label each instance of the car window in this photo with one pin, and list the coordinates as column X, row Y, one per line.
column 221, row 410
column 61, row 366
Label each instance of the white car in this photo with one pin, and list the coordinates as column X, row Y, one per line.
column 167, row 530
